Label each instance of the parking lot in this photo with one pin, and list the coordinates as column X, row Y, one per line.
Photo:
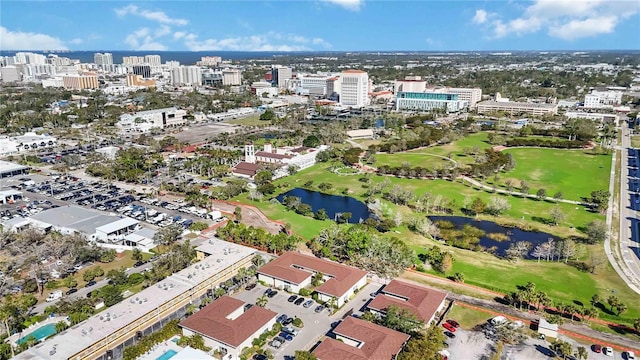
column 316, row 325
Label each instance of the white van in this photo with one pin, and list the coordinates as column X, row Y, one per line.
column 54, row 296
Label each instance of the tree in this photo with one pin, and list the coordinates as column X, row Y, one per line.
column 317, row 279
column 268, row 115
column 424, row 345
column 595, row 300
column 304, row 355
column 168, row 235
column 311, row 141
column 117, row 276
column 613, row 301
column 596, row 231
column 518, row 250
column 621, row 308
column 458, row 277
column 321, row 214
column 219, row 292
column 478, row 206
column 636, row 324
column 600, row 199
column 447, row 263
column 497, row 205
column 568, row 249
column 136, row 254
column 562, row 348
column 237, row 212
column 541, row 194
column 557, row 215
column 581, row 353
column 262, row 301
column 263, row 177
column 111, row 295
column 524, row 188
column 401, row 320
column 558, row 195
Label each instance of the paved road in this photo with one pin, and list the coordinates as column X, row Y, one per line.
column 628, row 206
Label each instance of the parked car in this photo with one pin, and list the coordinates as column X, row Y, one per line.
column 308, row 303
column 290, row 330
column 630, row 355
column 299, row 301
column 292, row 298
column 286, row 336
column 319, row 308
column 288, row 321
column 250, row 286
column 596, row 348
column 282, row 318
column 449, row 334
column 271, row 293
column 277, row 342
column 71, row 291
column 90, row 283
column 449, row 327
column 607, row 350
column 139, row 263
column 260, row 357
column 453, row 323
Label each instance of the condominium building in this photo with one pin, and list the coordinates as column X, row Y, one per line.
column 142, row 70
column 80, row 82
column 428, row 101
column 280, row 75
column 138, row 80
column 30, row 58
column 153, row 60
column 231, row 77
column 209, row 61
column 186, row 75
column 12, row 73
column 132, row 60
column 354, row 88
column 471, row 95
column 102, row 59
column 601, row 99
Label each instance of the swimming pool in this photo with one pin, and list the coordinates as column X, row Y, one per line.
column 167, row 355
column 39, row 334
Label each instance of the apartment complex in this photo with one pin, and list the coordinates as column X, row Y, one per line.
column 132, row 60
column 422, row 302
column 231, row 77
column 80, row 82
column 209, row 61
column 153, row 60
column 355, row 88
column 104, row 335
column 186, row 75
column 102, row 59
column 11, row 73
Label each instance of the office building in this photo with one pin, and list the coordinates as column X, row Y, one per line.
column 153, row 60
column 102, row 59
column 354, row 88
column 231, row 77
column 591, row 116
column 209, row 61
column 186, row 75
column 410, row 84
column 106, row 334
column 602, row 99
column 228, row 325
column 515, row 108
column 280, row 75
column 294, row 271
column 144, row 121
column 427, row 101
column 142, row 70
column 211, row 77
column 314, row 85
column 333, row 88
column 469, row 95
column 80, row 82
column 132, row 60
column 356, row 339
column 12, row 73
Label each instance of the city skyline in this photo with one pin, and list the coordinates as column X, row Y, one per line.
column 329, row 25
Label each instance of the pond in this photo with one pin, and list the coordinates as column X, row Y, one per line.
column 496, row 236
column 332, row 204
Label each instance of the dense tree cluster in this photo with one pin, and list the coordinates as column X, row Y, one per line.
column 258, row 237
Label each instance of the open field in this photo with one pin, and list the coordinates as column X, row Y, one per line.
column 468, row 318
column 572, row 172
column 635, row 141
column 414, row 158
column 251, row 120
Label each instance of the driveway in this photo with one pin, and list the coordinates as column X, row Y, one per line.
column 315, row 325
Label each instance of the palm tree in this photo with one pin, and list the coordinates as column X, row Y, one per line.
column 262, row 301
column 581, row 353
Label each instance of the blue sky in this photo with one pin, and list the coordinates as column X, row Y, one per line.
column 334, row 25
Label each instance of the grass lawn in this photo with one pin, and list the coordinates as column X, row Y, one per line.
column 572, row 172
column 489, row 272
column 252, row 120
column 468, row 318
column 635, row 141
column 415, row 158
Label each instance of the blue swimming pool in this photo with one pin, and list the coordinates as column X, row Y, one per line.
column 39, row 334
column 167, row 355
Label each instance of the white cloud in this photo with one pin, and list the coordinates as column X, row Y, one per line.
column 18, row 40
column 353, row 5
column 564, row 19
column 162, row 31
column 158, row 16
column 76, row 41
column 143, row 39
column 480, row 17
column 179, row 35
column 270, row 41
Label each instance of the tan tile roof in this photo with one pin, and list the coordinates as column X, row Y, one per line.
column 421, row 301
column 246, row 168
column 272, row 155
column 212, row 321
column 288, row 267
column 378, row 342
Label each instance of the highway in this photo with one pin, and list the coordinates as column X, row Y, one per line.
column 629, row 205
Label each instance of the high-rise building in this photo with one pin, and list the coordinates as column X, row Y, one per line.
column 354, row 88
column 186, row 75
column 132, row 60
column 80, row 82
column 209, row 61
column 471, row 95
column 30, row 58
column 231, row 77
column 102, row 59
column 428, row 101
column 280, row 75
column 11, row 73
column 153, row 60
column 142, row 70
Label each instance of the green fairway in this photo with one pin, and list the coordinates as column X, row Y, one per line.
column 414, row 158
column 489, row 272
column 572, row 172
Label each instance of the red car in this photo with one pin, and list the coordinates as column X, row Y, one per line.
column 453, row 323
column 596, row 348
column 449, row 327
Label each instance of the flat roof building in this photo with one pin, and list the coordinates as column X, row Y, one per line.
column 357, row 339
column 515, row 108
column 146, row 311
column 428, row 101
column 8, row 169
column 229, row 325
column 293, row 271
column 423, row 302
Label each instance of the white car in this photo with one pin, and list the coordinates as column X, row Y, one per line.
column 607, row 350
column 631, row 355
